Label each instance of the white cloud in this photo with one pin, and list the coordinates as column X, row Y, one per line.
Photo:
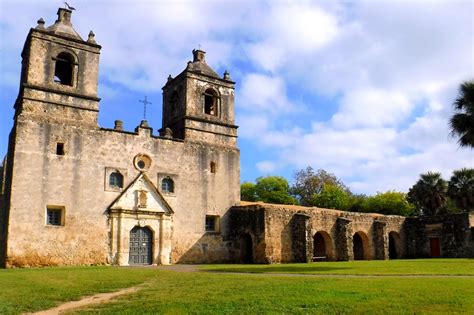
column 372, row 107
column 291, row 30
column 266, row 167
column 262, row 92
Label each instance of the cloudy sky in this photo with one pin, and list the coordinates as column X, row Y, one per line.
column 362, row 89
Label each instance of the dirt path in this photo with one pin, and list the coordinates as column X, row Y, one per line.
column 94, row 299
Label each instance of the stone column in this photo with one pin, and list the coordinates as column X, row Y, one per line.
column 380, row 240
column 165, row 240
column 344, row 239
column 299, row 238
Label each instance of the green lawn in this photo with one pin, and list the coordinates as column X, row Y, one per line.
column 169, row 292
column 371, row 267
column 35, row 289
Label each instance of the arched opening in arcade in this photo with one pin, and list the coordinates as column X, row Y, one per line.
column 360, row 246
column 322, row 247
column 394, row 245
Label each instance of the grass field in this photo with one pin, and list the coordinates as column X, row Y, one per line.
column 372, row 267
column 169, row 292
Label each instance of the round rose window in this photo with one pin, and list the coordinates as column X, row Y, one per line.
column 142, row 162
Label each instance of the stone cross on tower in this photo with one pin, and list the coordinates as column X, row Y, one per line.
column 145, row 102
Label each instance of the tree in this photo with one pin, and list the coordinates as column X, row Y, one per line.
column 274, row 189
column 308, row 183
column 390, row 202
column 331, row 197
column 358, row 203
column 461, row 189
column 429, row 194
column 462, row 121
column 247, row 192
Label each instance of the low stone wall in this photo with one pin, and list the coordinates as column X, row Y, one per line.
column 454, row 233
column 289, row 233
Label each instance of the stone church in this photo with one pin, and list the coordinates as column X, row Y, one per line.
column 74, row 193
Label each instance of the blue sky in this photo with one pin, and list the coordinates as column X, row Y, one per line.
column 361, row 89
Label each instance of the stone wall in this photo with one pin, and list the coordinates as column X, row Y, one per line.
column 251, row 222
column 290, row 232
column 454, row 233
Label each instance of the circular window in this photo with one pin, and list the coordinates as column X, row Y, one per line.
column 142, row 162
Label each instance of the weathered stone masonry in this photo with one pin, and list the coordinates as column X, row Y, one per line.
column 282, row 234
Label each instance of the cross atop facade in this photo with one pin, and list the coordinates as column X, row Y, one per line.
column 145, row 102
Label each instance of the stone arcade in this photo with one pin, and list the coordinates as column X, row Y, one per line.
column 72, row 192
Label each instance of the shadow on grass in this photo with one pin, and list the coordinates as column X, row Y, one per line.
column 311, row 268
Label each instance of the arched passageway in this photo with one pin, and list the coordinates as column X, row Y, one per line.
column 322, row 246
column 360, row 246
column 394, row 250
column 246, row 249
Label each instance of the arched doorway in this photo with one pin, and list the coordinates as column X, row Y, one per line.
column 140, row 246
column 394, row 245
column 360, row 246
column 322, row 246
column 246, row 249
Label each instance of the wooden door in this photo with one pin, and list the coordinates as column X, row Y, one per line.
column 435, row 247
column 140, row 246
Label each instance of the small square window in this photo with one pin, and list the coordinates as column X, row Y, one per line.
column 59, row 148
column 55, row 216
column 213, row 167
column 212, row 223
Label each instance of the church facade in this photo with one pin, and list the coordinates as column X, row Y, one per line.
column 73, row 193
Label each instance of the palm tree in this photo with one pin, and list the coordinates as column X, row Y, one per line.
column 428, row 195
column 462, row 122
column 461, row 189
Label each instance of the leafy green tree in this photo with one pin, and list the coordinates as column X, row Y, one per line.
column 461, row 189
column 462, row 122
column 247, row 192
column 308, row 183
column 390, row 202
column 274, row 189
column 429, row 194
column 331, row 197
column 358, row 203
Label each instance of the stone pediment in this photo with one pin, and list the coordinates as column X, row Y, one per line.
column 141, row 196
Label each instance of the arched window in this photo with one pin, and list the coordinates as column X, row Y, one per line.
column 167, row 185
column 63, row 69
column 174, row 103
column 116, row 180
column 211, row 102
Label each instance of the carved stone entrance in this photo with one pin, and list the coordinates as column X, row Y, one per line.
column 140, row 225
column 140, row 246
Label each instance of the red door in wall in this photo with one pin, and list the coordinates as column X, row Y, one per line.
column 435, row 248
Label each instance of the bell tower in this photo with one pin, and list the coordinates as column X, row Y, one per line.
column 198, row 105
column 59, row 74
